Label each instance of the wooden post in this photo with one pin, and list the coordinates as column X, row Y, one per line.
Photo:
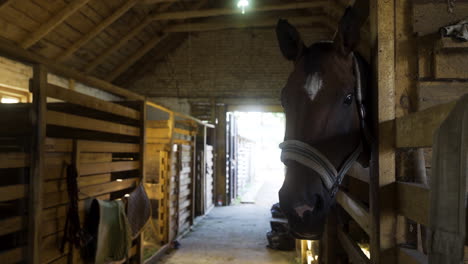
column 140, row 239
column 203, row 173
column 221, row 191
column 39, row 83
column 406, row 72
column 194, row 176
column 382, row 189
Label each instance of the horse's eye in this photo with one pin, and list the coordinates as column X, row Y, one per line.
column 348, row 99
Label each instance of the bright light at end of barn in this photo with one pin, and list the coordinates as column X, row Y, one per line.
column 242, row 4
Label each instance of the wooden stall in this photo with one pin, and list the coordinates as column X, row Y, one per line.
column 418, row 77
column 61, row 128
column 115, row 145
column 171, row 181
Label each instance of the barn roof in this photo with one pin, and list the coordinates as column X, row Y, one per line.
column 106, row 38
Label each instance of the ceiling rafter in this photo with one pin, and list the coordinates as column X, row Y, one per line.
column 230, row 11
column 53, row 22
column 256, row 23
column 98, row 29
column 142, row 51
column 131, row 34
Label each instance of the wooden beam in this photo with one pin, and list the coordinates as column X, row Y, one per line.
column 13, row 192
column 382, row 207
column 14, row 160
column 108, row 167
column 53, row 22
column 10, row 225
column 39, row 84
column 359, row 172
column 355, row 253
column 229, row 11
column 239, row 24
column 12, row 255
column 450, row 64
column 432, row 93
column 96, row 30
column 413, row 202
column 134, row 57
column 355, row 209
column 90, row 102
column 416, row 130
column 80, row 122
column 131, row 34
column 100, row 146
column 11, row 50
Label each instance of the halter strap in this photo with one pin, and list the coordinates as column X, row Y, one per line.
column 310, row 157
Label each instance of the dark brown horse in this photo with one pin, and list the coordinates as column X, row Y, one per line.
column 323, row 114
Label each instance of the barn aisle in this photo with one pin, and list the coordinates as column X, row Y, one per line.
column 233, row 234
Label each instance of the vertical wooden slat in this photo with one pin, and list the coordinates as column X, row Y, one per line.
column 204, row 186
column 382, row 193
column 38, row 114
column 140, row 245
column 194, row 177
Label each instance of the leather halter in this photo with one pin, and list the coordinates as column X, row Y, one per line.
column 308, row 156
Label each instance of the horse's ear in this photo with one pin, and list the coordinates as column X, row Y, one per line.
column 289, row 40
column 347, row 37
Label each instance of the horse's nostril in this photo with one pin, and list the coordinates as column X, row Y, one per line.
column 300, row 210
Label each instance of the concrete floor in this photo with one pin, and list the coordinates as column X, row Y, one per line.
column 234, row 235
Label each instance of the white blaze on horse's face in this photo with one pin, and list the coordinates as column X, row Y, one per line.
column 313, row 85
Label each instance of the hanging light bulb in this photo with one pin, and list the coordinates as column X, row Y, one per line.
column 242, row 4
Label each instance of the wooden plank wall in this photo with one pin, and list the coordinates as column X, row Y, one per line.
column 170, row 176
column 105, row 139
column 101, row 138
column 184, row 185
column 418, row 79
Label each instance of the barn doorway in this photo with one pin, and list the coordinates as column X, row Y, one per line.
column 237, row 233
column 252, row 156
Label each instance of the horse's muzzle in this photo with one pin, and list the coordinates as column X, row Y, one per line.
column 305, row 204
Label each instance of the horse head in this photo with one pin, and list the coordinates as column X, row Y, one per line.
column 322, row 114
